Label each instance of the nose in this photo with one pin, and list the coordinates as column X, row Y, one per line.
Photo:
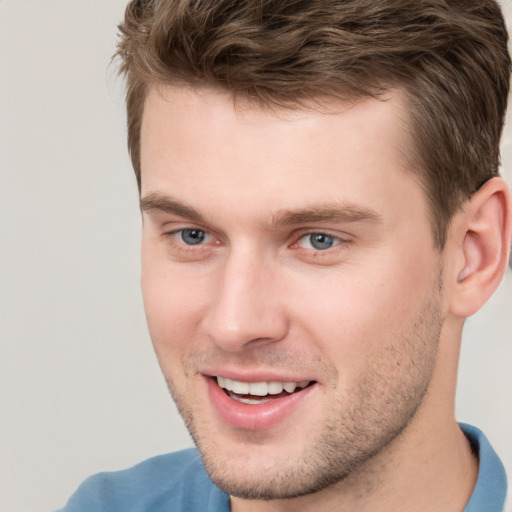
column 246, row 309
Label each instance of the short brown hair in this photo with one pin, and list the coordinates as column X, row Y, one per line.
column 450, row 58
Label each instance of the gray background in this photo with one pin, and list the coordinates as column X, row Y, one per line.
column 80, row 390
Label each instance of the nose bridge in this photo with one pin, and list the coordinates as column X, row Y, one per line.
column 245, row 308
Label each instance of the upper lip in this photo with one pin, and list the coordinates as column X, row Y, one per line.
column 256, row 376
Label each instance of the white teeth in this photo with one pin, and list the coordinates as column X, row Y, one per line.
column 240, row 388
column 274, row 388
column 260, row 388
column 289, row 386
column 249, row 401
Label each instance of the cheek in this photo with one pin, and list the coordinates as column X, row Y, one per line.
column 361, row 314
column 174, row 303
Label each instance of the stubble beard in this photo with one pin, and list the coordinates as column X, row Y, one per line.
column 360, row 425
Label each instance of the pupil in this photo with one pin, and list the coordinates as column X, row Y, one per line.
column 192, row 236
column 321, row 241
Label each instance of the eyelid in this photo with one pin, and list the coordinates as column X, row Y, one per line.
column 176, row 225
column 174, row 235
column 336, row 240
column 175, row 232
column 300, row 234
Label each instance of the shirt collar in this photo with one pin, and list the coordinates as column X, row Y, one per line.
column 491, row 486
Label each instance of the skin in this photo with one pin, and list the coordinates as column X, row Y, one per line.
column 369, row 320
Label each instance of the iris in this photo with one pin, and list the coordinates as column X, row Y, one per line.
column 321, row 241
column 192, row 236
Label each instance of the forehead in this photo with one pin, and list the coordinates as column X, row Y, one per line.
column 216, row 104
column 217, row 152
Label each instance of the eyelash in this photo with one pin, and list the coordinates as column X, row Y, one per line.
column 336, row 240
column 338, row 243
column 188, row 250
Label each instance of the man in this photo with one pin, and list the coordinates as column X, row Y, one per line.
column 322, row 210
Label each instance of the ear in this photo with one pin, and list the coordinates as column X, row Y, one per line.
column 482, row 241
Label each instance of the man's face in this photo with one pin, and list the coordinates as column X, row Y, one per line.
column 291, row 285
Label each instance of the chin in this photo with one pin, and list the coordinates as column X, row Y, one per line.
column 260, row 479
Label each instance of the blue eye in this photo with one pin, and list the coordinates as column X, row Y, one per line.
column 192, row 236
column 318, row 241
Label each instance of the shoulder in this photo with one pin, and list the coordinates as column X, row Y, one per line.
column 174, row 482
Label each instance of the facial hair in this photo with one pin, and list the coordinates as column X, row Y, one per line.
column 359, row 424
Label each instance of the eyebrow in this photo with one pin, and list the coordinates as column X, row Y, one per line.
column 346, row 212
column 156, row 202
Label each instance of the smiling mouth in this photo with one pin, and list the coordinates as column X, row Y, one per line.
column 253, row 393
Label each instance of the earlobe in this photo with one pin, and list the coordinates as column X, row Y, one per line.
column 485, row 231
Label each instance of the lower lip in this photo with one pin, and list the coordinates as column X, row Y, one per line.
column 258, row 416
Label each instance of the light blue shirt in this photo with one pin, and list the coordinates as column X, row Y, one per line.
column 178, row 482
column 491, row 486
